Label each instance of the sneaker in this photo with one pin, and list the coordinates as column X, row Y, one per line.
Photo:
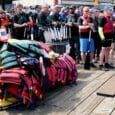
column 93, row 65
column 109, row 66
column 106, row 67
column 101, row 67
column 87, row 66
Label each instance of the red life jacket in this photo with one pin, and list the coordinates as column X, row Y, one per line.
column 15, row 70
column 10, row 77
column 4, row 21
column 31, row 22
column 36, row 87
column 88, row 21
column 14, row 89
column 108, row 27
column 26, row 96
column 61, row 68
column 51, row 72
column 45, row 47
column 72, row 73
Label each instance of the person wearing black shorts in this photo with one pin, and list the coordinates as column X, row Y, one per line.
column 106, row 35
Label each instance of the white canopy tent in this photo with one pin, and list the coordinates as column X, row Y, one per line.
column 33, row 2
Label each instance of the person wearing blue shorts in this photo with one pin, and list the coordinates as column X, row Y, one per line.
column 86, row 25
column 87, row 45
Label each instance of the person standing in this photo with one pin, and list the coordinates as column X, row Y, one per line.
column 21, row 23
column 34, row 18
column 106, row 30
column 5, row 21
column 56, row 17
column 112, row 50
column 12, row 14
column 71, row 22
column 65, row 12
column 86, row 27
column 97, row 40
column 43, row 22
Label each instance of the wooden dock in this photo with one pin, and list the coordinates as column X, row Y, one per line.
column 76, row 100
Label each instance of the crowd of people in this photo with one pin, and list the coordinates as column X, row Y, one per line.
column 92, row 30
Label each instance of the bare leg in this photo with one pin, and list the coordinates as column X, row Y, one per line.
column 102, row 55
column 83, row 56
column 111, row 54
column 107, row 50
column 91, row 57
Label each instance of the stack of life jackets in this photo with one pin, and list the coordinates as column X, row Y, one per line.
column 27, row 70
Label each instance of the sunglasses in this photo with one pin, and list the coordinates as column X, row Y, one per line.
column 2, row 12
column 12, row 12
column 86, row 11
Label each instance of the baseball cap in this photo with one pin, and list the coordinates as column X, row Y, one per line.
column 66, row 7
column 95, row 10
column 71, row 7
column 108, row 8
column 57, row 7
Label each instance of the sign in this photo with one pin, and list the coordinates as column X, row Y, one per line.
column 87, row 2
column 106, row 1
column 76, row 2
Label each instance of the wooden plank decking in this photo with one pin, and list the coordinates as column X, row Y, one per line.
column 76, row 100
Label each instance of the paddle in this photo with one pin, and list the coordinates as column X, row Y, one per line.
column 87, row 61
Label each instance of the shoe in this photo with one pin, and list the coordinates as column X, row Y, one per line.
column 93, row 65
column 101, row 67
column 109, row 66
column 87, row 66
column 106, row 67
